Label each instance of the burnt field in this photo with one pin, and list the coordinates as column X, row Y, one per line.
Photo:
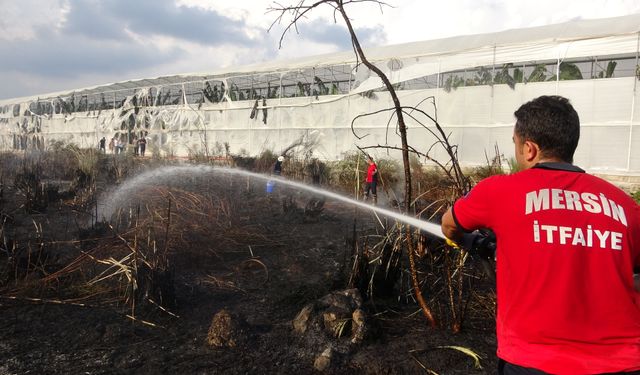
column 200, row 273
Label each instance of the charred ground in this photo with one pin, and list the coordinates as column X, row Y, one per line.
column 206, row 245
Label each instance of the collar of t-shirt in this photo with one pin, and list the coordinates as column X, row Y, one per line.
column 559, row 166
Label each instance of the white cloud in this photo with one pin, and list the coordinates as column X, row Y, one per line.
column 21, row 20
column 227, row 33
column 250, row 11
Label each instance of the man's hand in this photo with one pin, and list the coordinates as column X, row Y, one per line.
column 449, row 227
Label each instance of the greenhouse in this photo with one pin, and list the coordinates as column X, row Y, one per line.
column 331, row 104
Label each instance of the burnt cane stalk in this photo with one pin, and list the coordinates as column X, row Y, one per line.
column 396, row 103
column 405, row 159
column 298, row 12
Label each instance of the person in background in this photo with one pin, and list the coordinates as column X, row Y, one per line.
column 101, row 145
column 143, row 145
column 316, row 169
column 120, row 146
column 277, row 167
column 136, row 146
column 568, row 244
column 371, row 181
column 112, row 145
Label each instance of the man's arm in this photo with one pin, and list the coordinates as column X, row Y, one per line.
column 449, row 227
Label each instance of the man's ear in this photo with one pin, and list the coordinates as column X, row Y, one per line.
column 531, row 152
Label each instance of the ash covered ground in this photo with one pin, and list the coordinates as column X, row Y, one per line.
column 207, row 275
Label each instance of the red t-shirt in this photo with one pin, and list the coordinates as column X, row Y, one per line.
column 371, row 172
column 567, row 246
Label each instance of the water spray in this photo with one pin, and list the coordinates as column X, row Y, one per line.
column 112, row 202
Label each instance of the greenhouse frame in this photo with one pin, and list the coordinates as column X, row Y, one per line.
column 330, row 104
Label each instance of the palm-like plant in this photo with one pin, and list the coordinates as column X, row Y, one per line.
column 503, row 76
column 569, row 71
column 606, row 72
column 539, row 74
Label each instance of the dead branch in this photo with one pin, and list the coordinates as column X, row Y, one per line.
column 298, row 12
column 461, row 182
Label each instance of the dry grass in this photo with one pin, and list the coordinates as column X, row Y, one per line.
column 201, row 222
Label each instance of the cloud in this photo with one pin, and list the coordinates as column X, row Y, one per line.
column 119, row 40
column 69, row 56
column 45, row 67
column 21, row 20
column 321, row 31
column 318, row 36
column 111, row 19
column 51, row 45
column 114, row 40
column 89, row 19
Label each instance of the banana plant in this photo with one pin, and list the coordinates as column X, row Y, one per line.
column 482, row 77
column 539, row 74
column 503, row 76
column 569, row 71
column 608, row 71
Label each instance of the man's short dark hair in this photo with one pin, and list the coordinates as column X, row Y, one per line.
column 551, row 123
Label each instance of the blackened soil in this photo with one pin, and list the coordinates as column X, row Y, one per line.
column 303, row 259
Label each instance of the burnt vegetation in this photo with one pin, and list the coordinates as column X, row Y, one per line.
column 175, row 254
column 235, row 279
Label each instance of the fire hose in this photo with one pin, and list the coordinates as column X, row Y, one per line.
column 481, row 244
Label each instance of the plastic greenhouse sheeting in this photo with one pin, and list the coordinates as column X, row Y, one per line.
column 276, row 104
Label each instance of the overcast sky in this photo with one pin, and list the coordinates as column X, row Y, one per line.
column 53, row 45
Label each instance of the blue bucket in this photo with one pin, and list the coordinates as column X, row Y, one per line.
column 270, row 186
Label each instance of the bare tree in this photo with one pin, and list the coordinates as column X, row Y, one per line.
column 300, row 11
column 293, row 14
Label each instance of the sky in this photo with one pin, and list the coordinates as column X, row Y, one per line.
column 55, row 45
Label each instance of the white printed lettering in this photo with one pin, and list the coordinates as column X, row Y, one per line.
column 578, row 238
column 572, row 199
column 618, row 212
column 591, row 203
column 549, row 229
column 565, row 233
column 605, row 205
column 557, row 199
column 561, row 235
column 616, row 241
column 536, row 231
column 602, row 236
column 537, row 202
